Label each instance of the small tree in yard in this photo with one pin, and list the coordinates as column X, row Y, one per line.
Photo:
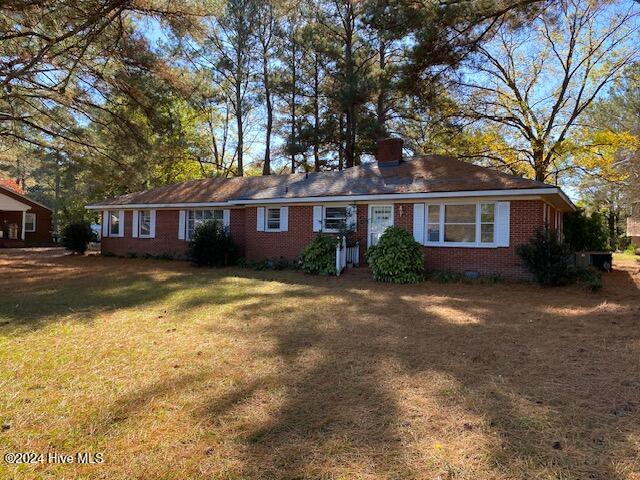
column 76, row 237
column 397, row 258
column 212, row 246
column 548, row 259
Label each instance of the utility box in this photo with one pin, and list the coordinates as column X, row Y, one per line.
column 600, row 260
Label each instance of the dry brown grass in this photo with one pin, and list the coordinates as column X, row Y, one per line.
column 175, row 372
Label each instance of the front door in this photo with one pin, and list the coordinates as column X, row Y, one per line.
column 380, row 217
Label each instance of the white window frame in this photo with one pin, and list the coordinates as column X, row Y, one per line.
column 324, row 217
column 115, row 213
column 187, row 235
column 33, row 216
column 478, row 224
column 266, row 219
column 150, row 234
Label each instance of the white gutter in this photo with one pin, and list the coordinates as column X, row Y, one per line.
column 347, row 198
column 158, row 205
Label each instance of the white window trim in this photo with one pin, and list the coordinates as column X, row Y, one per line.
column 31, row 230
column 324, row 216
column 121, row 219
column 266, row 219
column 370, row 216
column 187, row 237
column 150, row 234
column 477, row 243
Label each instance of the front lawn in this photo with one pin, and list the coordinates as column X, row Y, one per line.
column 174, row 372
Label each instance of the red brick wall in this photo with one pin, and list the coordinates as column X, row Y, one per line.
column 275, row 245
column 526, row 216
column 237, row 227
column 165, row 242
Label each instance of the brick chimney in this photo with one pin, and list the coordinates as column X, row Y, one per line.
column 389, row 152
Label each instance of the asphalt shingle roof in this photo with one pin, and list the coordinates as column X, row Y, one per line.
column 426, row 174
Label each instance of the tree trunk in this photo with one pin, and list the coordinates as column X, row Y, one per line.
column 539, row 163
column 266, row 168
column 316, row 114
column 239, row 121
column 349, row 152
column 294, row 85
column 381, row 104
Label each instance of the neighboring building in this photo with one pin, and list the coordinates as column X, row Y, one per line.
column 468, row 218
column 23, row 222
column 633, row 224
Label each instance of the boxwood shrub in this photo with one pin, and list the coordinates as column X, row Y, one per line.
column 212, row 246
column 319, row 257
column 397, row 258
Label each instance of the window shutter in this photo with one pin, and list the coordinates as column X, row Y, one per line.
column 105, row 223
column 121, row 223
column 284, row 219
column 352, row 217
column 260, row 219
column 418, row 223
column 503, row 219
column 182, row 224
column 134, row 227
column 317, row 218
column 152, row 233
column 226, row 217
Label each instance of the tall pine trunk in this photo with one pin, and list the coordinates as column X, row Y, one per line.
column 316, row 114
column 381, row 104
column 266, row 168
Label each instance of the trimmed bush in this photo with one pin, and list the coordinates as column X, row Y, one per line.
column 212, row 246
column 397, row 258
column 319, row 257
column 76, row 237
column 551, row 261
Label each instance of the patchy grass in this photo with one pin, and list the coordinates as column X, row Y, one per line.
column 624, row 258
column 175, row 372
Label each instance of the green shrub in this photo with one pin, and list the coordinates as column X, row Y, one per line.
column 397, row 258
column 212, row 245
column 590, row 277
column 551, row 261
column 319, row 257
column 76, row 237
column 584, row 232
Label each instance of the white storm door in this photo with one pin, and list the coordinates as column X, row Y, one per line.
column 380, row 218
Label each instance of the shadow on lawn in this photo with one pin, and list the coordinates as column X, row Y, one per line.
column 547, row 384
column 359, row 360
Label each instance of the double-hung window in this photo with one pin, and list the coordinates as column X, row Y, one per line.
column 114, row 223
column 461, row 224
column 433, row 223
column 30, row 222
column 335, row 218
column 144, row 223
column 198, row 217
column 273, row 219
column 487, row 222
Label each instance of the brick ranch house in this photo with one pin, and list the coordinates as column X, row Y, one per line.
column 468, row 218
column 23, row 222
